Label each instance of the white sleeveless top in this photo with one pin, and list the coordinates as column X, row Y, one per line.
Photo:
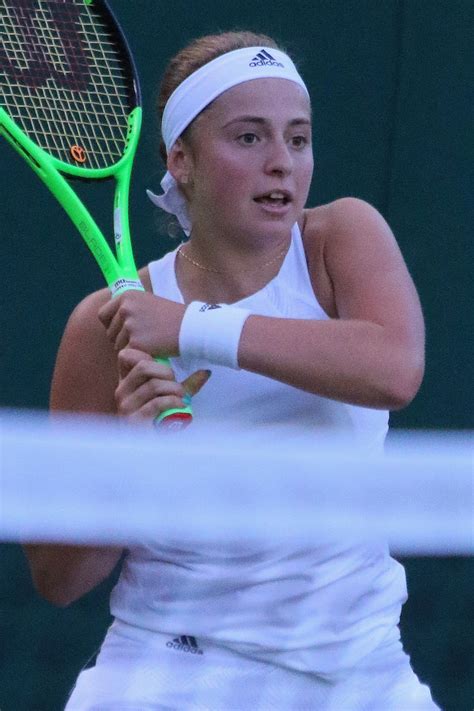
column 320, row 608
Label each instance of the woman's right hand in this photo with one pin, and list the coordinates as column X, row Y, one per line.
column 147, row 388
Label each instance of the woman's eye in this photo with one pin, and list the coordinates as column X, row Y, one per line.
column 299, row 141
column 248, row 138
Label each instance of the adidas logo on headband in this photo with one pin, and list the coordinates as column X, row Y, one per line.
column 264, row 59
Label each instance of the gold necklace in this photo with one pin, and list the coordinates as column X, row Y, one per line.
column 216, row 271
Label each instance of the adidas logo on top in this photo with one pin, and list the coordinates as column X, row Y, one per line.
column 264, row 59
column 208, row 307
column 185, row 643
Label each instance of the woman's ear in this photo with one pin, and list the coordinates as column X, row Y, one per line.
column 179, row 162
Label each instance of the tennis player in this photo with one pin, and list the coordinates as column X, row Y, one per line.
column 303, row 316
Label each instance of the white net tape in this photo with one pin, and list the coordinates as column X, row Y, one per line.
column 95, row 481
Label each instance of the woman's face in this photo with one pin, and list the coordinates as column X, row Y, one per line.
column 251, row 159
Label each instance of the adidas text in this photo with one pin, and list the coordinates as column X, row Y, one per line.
column 185, row 643
column 266, row 63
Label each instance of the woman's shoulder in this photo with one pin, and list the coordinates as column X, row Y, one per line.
column 343, row 226
column 339, row 214
column 341, row 239
column 330, row 226
column 85, row 377
column 85, row 314
column 84, row 327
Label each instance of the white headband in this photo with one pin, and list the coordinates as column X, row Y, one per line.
column 201, row 88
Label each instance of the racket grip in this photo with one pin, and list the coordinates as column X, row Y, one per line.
column 176, row 418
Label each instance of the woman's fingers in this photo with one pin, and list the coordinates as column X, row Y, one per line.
column 147, row 388
column 129, row 358
column 142, row 406
column 112, row 321
column 142, row 320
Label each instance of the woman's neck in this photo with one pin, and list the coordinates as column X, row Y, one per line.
column 226, row 276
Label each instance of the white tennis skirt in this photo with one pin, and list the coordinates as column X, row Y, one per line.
column 182, row 673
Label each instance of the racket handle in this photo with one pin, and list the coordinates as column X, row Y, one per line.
column 176, row 418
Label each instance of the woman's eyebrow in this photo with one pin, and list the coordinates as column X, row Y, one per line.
column 246, row 119
column 261, row 121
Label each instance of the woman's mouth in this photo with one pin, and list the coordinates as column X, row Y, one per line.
column 276, row 200
column 275, row 197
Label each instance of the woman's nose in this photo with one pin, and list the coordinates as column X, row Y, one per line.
column 279, row 159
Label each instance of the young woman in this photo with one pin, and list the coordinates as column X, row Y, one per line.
column 304, row 316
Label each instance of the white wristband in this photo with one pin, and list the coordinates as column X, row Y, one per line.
column 211, row 332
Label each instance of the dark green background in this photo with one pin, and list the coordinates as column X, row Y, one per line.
column 391, row 83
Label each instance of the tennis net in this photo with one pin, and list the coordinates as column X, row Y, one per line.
column 71, row 480
column 99, row 481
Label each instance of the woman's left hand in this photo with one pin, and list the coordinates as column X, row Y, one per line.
column 140, row 320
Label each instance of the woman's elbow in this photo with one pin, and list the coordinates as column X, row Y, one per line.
column 406, row 382
column 61, row 574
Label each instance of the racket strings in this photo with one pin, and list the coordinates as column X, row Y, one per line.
column 65, row 80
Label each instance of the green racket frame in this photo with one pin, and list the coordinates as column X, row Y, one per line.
column 119, row 271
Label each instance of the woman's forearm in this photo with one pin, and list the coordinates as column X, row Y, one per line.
column 348, row 360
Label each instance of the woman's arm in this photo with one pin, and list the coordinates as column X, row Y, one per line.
column 89, row 377
column 84, row 381
column 85, row 374
column 63, row 573
column 372, row 354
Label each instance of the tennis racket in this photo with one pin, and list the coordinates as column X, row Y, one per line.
column 70, row 106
